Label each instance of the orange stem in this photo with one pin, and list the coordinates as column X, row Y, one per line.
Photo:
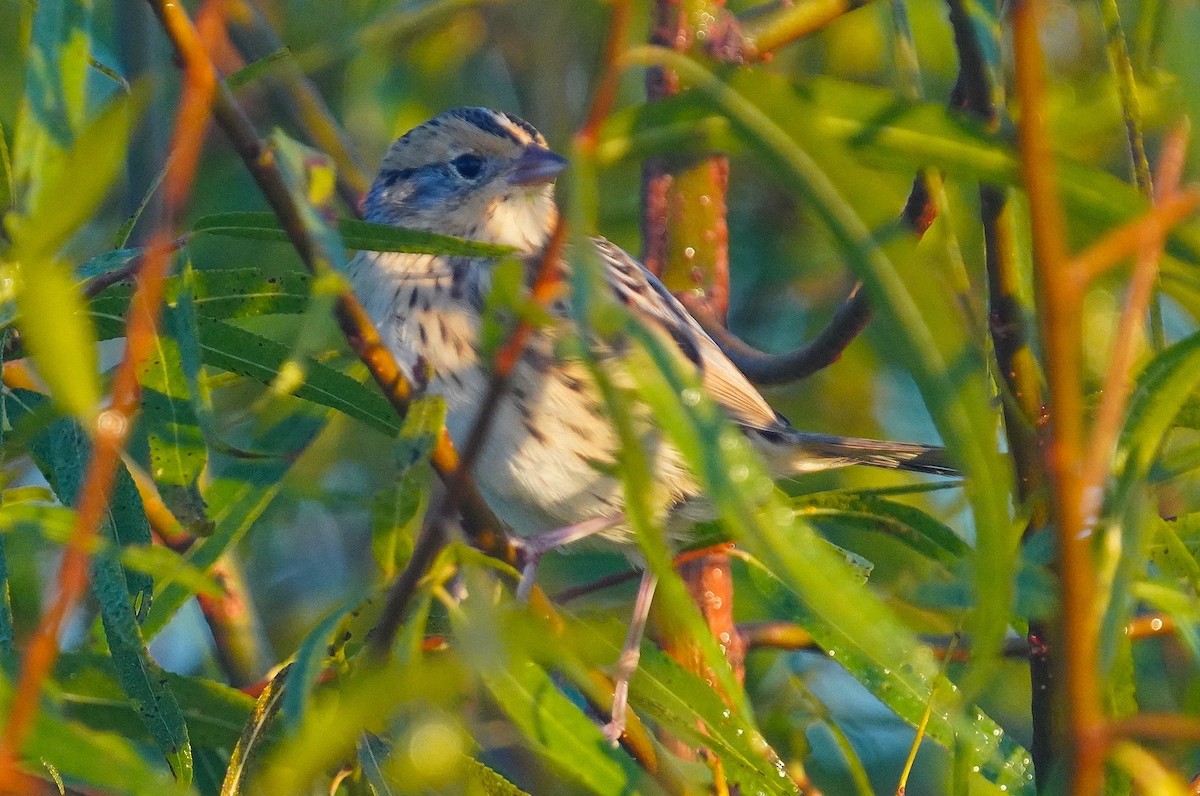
column 1060, row 310
column 1132, row 238
column 112, row 426
column 1118, row 378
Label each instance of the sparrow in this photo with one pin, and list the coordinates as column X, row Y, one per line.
column 546, row 467
column 488, row 176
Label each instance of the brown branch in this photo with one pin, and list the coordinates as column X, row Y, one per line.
column 848, row 321
column 112, row 426
column 1060, row 310
column 254, row 37
column 485, row 530
column 1156, row 726
column 544, row 289
column 685, row 241
column 1018, row 376
column 790, row 636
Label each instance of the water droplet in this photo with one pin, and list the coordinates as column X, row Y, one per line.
column 111, row 422
column 739, row 473
column 691, row 396
column 1156, row 623
column 689, row 253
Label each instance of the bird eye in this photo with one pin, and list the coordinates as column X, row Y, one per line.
column 468, row 166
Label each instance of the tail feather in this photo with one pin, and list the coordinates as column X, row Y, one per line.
column 800, row 452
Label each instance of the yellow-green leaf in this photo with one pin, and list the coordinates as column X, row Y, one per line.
column 59, row 335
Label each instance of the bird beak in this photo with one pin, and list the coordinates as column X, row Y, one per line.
column 536, row 166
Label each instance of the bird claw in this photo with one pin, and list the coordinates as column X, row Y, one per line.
column 536, row 546
column 533, row 557
column 614, row 730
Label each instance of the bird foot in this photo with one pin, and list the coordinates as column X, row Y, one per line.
column 536, row 546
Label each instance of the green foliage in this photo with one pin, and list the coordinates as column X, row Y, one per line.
column 265, row 439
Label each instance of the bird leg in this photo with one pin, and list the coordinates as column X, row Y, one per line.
column 631, row 653
column 538, row 545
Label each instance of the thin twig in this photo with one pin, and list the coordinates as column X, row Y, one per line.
column 1130, row 238
column 1018, row 376
column 485, row 530
column 253, row 35
column 433, row 537
column 1118, row 379
column 1060, row 309
column 545, row 287
column 848, row 321
column 630, row 575
column 919, row 735
column 1156, row 726
column 112, row 426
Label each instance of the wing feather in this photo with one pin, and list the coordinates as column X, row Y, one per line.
column 644, row 294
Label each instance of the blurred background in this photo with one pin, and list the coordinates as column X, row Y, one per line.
column 384, row 67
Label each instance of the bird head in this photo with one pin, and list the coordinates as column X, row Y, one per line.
column 474, row 173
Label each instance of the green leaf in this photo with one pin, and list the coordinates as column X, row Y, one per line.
column 398, row 510
column 555, row 728
column 1162, row 391
column 307, row 663
column 59, row 336
column 177, row 446
column 57, row 331
column 492, row 783
column 257, row 70
column 255, row 731
column 245, row 353
column 62, row 452
column 362, row 235
column 76, row 183
column 8, row 649
column 105, row 761
column 240, row 492
column 140, row 677
column 54, row 100
column 87, row 687
column 218, row 295
column 907, row 524
column 55, row 524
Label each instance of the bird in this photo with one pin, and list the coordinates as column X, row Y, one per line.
column 488, row 176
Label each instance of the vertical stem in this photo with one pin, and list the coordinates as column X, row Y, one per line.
column 1122, row 66
column 685, row 241
column 238, row 636
column 1060, row 315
